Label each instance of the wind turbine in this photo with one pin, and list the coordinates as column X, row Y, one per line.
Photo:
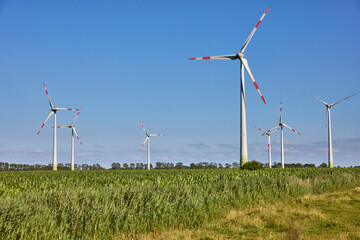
column 148, row 143
column 243, row 63
column 282, row 125
column 328, row 106
column 269, row 141
column 53, row 111
column 72, row 138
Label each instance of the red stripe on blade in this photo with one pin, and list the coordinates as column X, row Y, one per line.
column 206, row 58
column 258, row 24
column 263, row 99
column 267, row 10
column 191, row 58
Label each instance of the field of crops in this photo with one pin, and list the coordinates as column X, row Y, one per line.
column 107, row 204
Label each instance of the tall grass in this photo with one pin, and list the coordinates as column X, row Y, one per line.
column 101, row 204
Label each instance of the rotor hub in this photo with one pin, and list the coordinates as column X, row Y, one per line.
column 240, row 55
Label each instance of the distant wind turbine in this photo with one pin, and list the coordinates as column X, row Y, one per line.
column 282, row 125
column 53, row 111
column 328, row 106
column 148, row 143
column 243, row 63
column 73, row 131
column 269, row 141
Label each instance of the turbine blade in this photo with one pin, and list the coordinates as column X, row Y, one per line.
column 76, row 134
column 156, row 135
column 291, row 129
column 143, row 128
column 280, row 111
column 253, row 31
column 47, row 94
column 316, row 98
column 67, row 109
column 260, row 129
column 342, row 100
column 143, row 143
column 274, row 131
column 245, row 62
column 76, row 116
column 273, row 128
column 51, row 113
column 228, row 57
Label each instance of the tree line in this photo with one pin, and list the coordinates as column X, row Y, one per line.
column 204, row 165
column 4, row 166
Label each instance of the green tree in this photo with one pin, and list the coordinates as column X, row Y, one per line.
column 323, row 165
column 253, row 165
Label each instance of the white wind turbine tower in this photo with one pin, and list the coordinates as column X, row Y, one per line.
column 282, row 125
column 53, row 111
column 328, row 106
column 148, row 143
column 269, row 141
column 243, row 63
column 73, row 131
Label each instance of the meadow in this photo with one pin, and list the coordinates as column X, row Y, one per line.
column 107, row 204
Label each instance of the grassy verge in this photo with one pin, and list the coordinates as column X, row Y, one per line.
column 324, row 216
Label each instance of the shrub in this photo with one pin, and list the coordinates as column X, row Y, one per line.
column 253, row 165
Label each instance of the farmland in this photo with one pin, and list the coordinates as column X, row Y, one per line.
column 108, row 204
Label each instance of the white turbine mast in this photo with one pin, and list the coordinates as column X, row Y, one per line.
column 53, row 111
column 269, row 141
column 148, row 143
column 282, row 125
column 328, row 106
column 243, row 63
column 73, row 131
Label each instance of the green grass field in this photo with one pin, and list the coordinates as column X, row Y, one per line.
column 119, row 204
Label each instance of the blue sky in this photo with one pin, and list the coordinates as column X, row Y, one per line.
column 127, row 61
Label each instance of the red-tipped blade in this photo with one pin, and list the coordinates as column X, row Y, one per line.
column 143, row 143
column 228, row 57
column 47, row 94
column 253, row 31
column 246, row 65
column 260, row 129
column 51, row 113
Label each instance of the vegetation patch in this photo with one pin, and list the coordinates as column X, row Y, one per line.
column 112, row 204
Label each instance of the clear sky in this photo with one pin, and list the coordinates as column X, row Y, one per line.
column 126, row 61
